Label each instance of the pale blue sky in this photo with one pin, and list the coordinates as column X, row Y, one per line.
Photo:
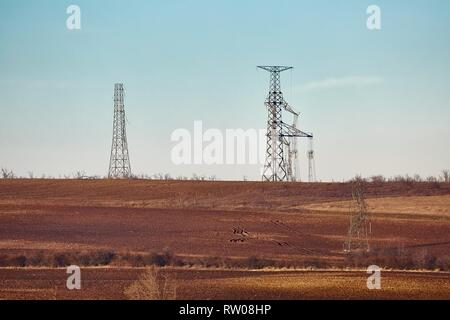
column 378, row 102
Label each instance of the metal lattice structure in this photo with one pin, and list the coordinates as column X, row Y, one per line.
column 360, row 226
column 311, row 162
column 119, row 165
column 281, row 151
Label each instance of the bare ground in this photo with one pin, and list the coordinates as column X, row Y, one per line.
column 285, row 222
column 109, row 283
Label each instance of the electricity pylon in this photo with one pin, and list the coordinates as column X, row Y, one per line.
column 360, row 227
column 119, row 165
column 311, row 162
column 281, row 150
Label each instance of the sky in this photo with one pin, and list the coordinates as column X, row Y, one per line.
column 378, row 102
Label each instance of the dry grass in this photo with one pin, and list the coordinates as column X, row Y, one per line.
column 327, row 285
column 431, row 206
column 152, row 285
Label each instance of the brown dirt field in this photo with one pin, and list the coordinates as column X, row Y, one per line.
column 432, row 207
column 285, row 221
column 109, row 283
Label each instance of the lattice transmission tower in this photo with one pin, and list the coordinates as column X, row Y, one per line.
column 311, row 162
column 119, row 165
column 281, row 149
column 360, row 227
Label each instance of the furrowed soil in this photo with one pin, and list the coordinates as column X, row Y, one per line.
column 202, row 284
column 290, row 223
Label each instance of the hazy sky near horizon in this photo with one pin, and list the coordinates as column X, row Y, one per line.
column 378, row 102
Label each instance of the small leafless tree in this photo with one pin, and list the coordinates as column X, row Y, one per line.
column 446, row 175
column 80, row 175
column 8, row 174
column 158, row 176
column 358, row 179
column 377, row 179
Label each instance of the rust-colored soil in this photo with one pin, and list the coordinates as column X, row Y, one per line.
column 285, row 222
column 110, row 283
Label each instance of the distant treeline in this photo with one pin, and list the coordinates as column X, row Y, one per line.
column 81, row 175
column 443, row 177
column 392, row 258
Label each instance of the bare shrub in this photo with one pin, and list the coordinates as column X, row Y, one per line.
column 197, row 177
column 19, row 261
column 105, row 257
column 423, row 260
column 39, row 259
column 254, row 262
column 399, row 258
column 152, row 285
column 80, row 175
column 166, row 258
column 157, row 176
column 358, row 178
column 64, row 259
column 96, row 258
column 408, row 180
column 7, row 174
column 212, row 262
column 155, row 259
column 446, row 175
column 4, row 260
column 443, row 263
column 61, row 260
column 377, row 179
column 135, row 260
